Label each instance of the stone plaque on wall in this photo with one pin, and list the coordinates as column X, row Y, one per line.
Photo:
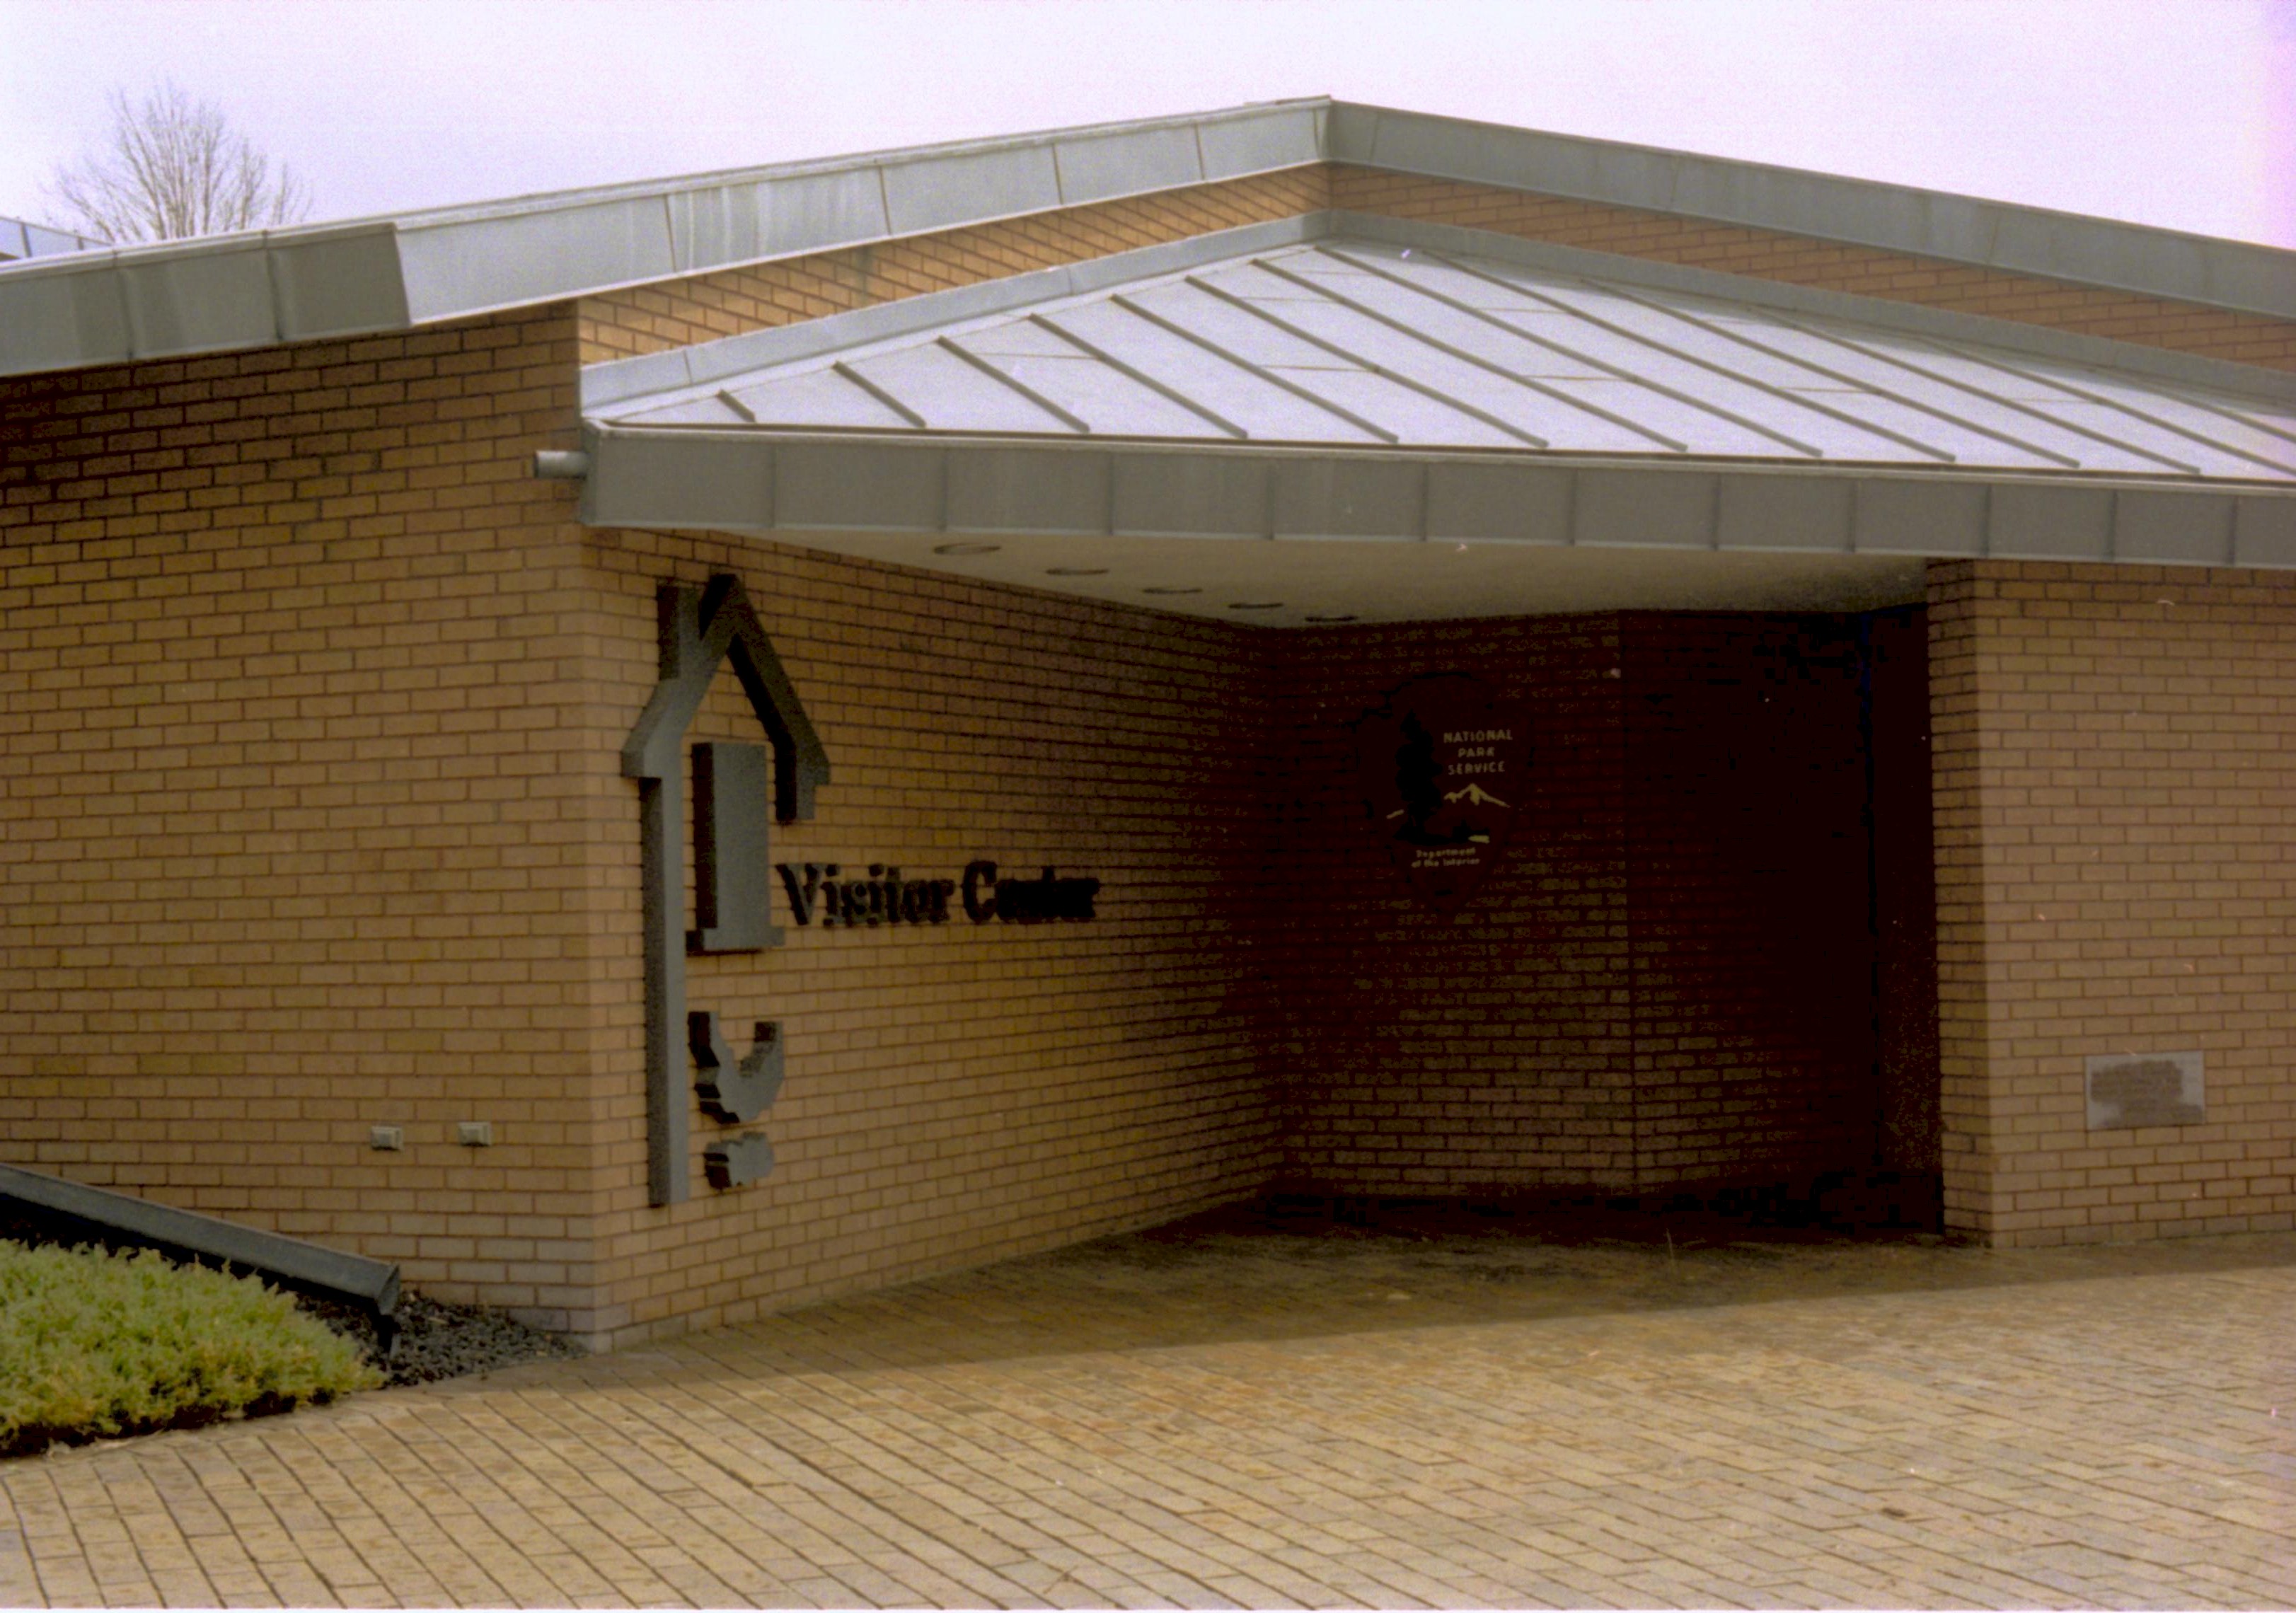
column 2128, row 1090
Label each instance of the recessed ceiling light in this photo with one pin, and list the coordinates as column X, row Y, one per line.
column 1255, row 604
column 966, row 548
column 1076, row 570
column 1341, row 616
column 1171, row 590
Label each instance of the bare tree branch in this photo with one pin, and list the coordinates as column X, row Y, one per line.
column 171, row 167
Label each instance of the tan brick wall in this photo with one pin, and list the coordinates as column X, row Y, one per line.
column 312, row 699
column 957, row 1093
column 1797, row 260
column 286, row 849
column 2115, row 768
column 704, row 307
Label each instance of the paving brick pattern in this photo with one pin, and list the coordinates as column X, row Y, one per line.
column 1213, row 1415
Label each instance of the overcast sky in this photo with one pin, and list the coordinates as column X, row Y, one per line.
column 2175, row 112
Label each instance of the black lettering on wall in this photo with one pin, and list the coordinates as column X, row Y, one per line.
column 979, row 907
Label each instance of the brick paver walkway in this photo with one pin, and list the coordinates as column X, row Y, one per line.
column 1207, row 1417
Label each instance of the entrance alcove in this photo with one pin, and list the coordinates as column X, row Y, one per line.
column 1701, row 965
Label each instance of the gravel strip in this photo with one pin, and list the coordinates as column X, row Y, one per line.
column 438, row 1341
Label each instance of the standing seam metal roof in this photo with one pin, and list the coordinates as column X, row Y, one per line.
column 1369, row 344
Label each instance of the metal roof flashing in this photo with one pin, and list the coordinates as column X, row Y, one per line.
column 2107, row 253
column 430, row 267
column 397, row 272
column 216, row 294
column 1394, row 535
column 1232, row 148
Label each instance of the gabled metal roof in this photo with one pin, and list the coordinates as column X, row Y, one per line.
column 1353, row 343
column 402, row 271
column 1363, row 388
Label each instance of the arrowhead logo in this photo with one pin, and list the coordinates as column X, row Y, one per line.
column 1444, row 764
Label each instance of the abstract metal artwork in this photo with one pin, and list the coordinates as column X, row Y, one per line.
column 700, row 629
column 736, row 1091
column 730, row 850
column 748, row 1158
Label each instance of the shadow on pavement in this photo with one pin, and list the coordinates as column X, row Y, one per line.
column 1288, row 1269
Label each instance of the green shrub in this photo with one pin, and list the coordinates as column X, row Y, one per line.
column 94, row 1344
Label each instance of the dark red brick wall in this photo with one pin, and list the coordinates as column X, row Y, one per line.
column 1485, row 1050
column 1670, row 981
column 1905, row 894
column 1748, row 897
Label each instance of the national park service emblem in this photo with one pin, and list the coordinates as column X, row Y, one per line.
column 1444, row 763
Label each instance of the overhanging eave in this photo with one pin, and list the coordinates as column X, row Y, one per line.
column 780, row 484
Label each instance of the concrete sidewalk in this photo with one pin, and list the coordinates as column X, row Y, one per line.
column 1221, row 1413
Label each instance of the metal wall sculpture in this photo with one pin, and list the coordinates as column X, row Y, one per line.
column 735, row 1091
column 730, row 851
column 700, row 629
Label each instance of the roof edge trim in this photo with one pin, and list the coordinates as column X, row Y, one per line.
column 211, row 294
column 2105, row 253
column 806, row 167
column 360, row 277
column 786, row 485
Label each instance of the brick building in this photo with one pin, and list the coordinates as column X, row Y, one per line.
column 1881, row 602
